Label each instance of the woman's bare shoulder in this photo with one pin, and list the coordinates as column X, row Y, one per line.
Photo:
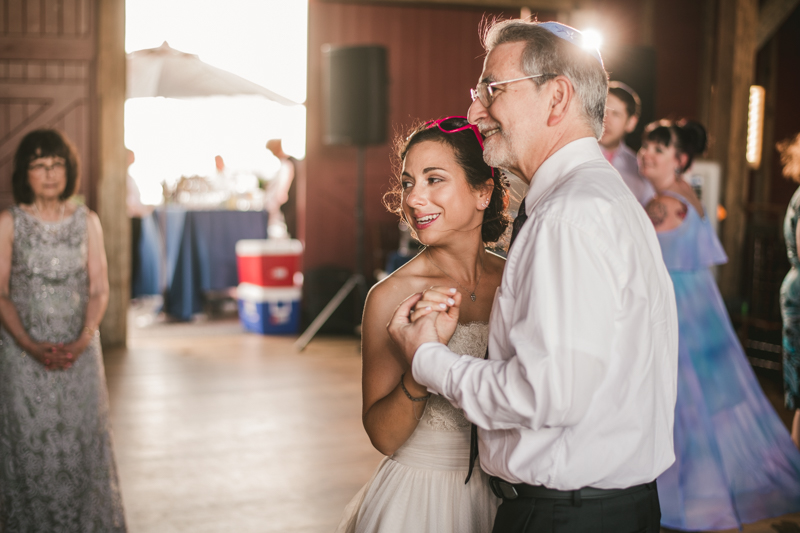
column 665, row 212
column 396, row 287
column 7, row 221
column 6, row 231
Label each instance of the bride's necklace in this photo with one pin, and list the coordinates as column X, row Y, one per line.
column 480, row 272
column 39, row 216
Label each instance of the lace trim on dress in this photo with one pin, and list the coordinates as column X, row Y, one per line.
column 468, row 339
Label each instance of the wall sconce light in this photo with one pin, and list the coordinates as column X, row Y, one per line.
column 755, row 125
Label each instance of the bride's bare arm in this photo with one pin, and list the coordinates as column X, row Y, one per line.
column 389, row 416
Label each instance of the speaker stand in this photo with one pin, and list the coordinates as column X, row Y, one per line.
column 357, row 280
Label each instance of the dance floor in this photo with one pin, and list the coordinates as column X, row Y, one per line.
column 217, row 430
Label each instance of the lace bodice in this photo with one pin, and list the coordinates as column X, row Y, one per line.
column 468, row 339
column 49, row 282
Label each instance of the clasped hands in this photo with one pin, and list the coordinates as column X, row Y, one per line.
column 57, row 356
column 428, row 316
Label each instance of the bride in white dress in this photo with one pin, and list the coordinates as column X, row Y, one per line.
column 455, row 204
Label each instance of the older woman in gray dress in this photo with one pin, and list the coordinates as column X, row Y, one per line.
column 57, row 470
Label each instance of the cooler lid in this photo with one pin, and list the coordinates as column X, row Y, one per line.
column 256, row 247
column 255, row 293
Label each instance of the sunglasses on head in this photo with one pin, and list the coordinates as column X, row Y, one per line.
column 455, row 124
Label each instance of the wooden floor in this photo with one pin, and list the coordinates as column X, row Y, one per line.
column 217, row 430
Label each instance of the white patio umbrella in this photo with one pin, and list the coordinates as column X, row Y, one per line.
column 164, row 71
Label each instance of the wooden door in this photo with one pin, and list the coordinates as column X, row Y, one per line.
column 47, row 58
column 62, row 65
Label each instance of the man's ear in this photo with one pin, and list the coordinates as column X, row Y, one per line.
column 562, row 94
column 630, row 125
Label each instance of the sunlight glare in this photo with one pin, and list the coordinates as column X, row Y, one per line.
column 264, row 41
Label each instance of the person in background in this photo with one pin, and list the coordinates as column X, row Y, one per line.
column 790, row 289
column 734, row 460
column 623, row 109
column 57, row 469
column 136, row 212
column 282, row 200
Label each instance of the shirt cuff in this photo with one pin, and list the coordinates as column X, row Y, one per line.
column 432, row 362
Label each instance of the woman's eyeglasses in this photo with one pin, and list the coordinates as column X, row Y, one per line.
column 453, row 125
column 41, row 168
column 485, row 91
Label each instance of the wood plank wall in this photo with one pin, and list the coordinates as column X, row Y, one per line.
column 46, row 69
column 434, row 58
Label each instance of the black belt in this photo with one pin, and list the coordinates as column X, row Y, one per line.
column 512, row 491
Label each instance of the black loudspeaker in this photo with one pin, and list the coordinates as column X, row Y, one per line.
column 355, row 95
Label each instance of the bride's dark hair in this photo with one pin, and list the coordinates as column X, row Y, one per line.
column 469, row 155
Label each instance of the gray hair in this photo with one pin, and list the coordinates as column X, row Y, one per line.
column 545, row 53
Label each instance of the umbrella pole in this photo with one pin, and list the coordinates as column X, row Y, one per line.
column 355, row 281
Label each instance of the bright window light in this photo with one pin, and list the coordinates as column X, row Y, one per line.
column 755, row 125
column 264, row 41
column 592, row 39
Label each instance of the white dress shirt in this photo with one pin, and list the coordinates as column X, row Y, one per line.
column 580, row 386
column 624, row 160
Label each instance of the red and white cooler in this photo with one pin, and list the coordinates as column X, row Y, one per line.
column 269, row 262
column 269, row 285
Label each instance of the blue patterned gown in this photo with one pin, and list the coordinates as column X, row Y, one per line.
column 790, row 308
column 735, row 462
column 57, row 471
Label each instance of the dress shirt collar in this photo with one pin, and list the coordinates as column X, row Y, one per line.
column 559, row 165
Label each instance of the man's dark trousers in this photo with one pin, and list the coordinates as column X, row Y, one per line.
column 633, row 512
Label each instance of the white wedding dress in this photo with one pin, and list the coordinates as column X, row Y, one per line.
column 421, row 487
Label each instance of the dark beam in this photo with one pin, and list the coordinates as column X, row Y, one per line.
column 770, row 17
column 534, row 5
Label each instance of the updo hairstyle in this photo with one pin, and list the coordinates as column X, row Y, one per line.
column 469, row 155
column 687, row 136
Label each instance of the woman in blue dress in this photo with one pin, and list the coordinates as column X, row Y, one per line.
column 790, row 289
column 735, row 461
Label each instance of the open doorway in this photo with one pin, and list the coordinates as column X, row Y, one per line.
column 208, row 152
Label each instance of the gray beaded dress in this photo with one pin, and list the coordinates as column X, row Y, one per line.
column 57, row 470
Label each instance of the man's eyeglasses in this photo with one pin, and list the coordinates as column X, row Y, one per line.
column 456, row 124
column 485, row 91
column 41, row 168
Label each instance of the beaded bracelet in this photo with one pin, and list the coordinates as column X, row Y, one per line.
column 408, row 394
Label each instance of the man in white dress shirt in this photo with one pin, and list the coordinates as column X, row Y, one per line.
column 623, row 108
column 575, row 404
